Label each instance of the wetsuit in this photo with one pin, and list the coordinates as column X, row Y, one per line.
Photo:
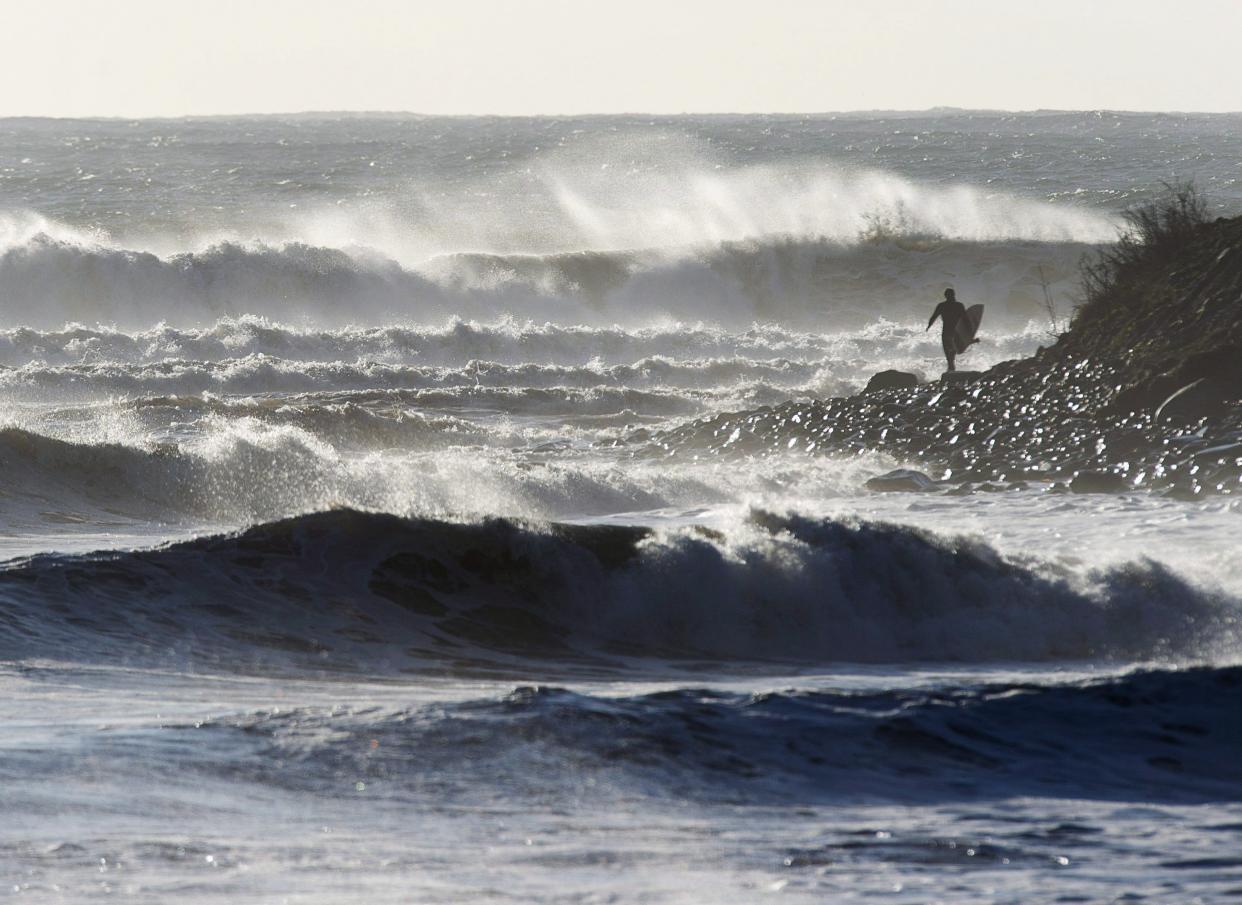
column 949, row 312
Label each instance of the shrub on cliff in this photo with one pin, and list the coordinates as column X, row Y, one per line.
column 1155, row 236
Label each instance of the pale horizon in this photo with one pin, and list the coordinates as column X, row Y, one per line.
column 587, row 114
column 149, row 59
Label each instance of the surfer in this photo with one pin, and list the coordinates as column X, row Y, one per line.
column 950, row 312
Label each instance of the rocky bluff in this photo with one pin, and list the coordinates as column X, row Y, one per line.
column 1143, row 392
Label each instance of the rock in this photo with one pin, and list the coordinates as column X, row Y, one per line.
column 957, row 378
column 961, row 490
column 1098, row 482
column 891, row 380
column 903, row 480
column 1202, row 399
column 1123, row 443
column 1143, row 396
column 1184, row 492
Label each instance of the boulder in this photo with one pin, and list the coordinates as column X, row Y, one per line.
column 891, row 380
column 1202, row 399
column 903, row 480
column 958, row 378
column 1098, row 482
column 1144, row 396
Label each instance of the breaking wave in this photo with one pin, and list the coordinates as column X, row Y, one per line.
column 49, row 281
column 261, row 467
column 355, row 591
column 505, row 341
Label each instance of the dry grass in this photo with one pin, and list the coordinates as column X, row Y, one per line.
column 1156, row 235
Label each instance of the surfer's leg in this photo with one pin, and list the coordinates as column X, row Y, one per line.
column 946, row 343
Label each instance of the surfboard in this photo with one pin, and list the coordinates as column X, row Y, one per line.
column 966, row 328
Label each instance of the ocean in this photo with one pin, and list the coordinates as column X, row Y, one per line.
column 347, row 552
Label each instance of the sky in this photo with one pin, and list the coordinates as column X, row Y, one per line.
column 136, row 58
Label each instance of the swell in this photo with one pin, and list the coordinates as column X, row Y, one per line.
column 346, row 590
column 1158, row 736
column 47, row 282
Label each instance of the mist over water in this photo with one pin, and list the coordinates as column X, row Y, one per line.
column 595, row 220
column 334, row 481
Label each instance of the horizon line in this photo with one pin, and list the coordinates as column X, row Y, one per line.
column 392, row 114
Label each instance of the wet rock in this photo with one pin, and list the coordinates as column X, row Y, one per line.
column 1145, row 396
column 1184, row 492
column 1098, row 482
column 1204, row 398
column 1123, row 442
column 959, row 378
column 891, row 380
column 903, row 480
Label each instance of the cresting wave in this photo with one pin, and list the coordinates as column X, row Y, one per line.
column 268, row 462
column 658, row 371
column 505, row 341
column 260, row 374
column 345, row 590
column 48, row 282
column 249, row 470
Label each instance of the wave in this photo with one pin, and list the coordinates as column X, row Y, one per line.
column 263, row 374
column 254, row 468
column 376, row 385
column 674, row 371
column 686, row 199
column 233, row 462
column 506, row 341
column 1158, row 736
column 609, row 188
column 376, row 593
column 48, row 282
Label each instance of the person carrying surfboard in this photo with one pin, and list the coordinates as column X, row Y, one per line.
column 957, row 330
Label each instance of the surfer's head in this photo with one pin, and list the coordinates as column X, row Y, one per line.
column 949, row 295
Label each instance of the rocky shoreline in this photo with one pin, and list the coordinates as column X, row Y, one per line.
column 1143, row 393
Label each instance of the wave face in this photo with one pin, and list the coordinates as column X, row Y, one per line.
column 348, row 590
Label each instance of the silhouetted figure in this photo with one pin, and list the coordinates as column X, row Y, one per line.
column 950, row 311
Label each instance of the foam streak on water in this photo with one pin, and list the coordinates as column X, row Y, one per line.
column 341, row 559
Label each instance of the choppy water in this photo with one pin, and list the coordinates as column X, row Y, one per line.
column 335, row 568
